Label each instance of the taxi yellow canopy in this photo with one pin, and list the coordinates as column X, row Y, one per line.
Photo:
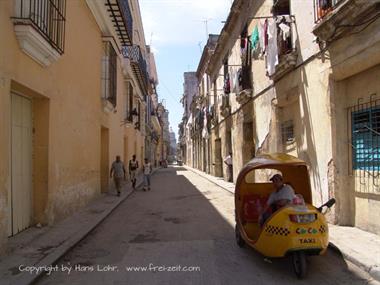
column 293, row 169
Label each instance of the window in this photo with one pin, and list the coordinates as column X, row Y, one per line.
column 287, row 132
column 323, row 7
column 47, row 17
column 227, row 81
column 281, row 7
column 109, row 67
column 366, row 139
column 129, row 103
column 138, row 124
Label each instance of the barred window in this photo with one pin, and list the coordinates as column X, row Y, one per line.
column 139, row 115
column 287, row 132
column 366, row 139
column 129, row 103
column 109, row 73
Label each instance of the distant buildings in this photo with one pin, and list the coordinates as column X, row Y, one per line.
column 173, row 145
column 190, row 88
column 163, row 114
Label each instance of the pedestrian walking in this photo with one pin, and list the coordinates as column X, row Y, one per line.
column 118, row 173
column 228, row 162
column 133, row 166
column 147, row 170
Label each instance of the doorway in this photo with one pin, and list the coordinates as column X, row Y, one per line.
column 218, row 158
column 21, row 164
column 125, row 151
column 104, row 160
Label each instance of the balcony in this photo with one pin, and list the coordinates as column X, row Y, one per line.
column 199, row 120
column 336, row 17
column 156, row 123
column 244, row 96
column 225, row 109
column 138, row 64
column 287, row 51
column 40, row 28
column 122, row 20
column 155, row 137
column 244, row 92
column 323, row 8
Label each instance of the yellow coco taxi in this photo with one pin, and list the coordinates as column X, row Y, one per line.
column 297, row 229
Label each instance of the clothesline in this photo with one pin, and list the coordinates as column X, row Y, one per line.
column 272, row 17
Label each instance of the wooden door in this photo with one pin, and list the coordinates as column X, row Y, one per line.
column 21, row 163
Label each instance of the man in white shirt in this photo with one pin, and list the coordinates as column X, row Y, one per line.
column 133, row 166
column 147, row 170
column 118, row 173
column 282, row 196
column 228, row 162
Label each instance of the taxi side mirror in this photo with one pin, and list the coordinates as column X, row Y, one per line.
column 328, row 204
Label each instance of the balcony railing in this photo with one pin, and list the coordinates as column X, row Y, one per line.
column 336, row 18
column 138, row 63
column 121, row 15
column 324, row 7
column 47, row 17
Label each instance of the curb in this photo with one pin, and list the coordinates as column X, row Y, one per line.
column 28, row 279
column 196, row 171
column 373, row 271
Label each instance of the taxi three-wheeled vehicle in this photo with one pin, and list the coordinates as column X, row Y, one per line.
column 297, row 229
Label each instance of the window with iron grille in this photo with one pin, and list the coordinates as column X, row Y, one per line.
column 287, row 132
column 109, row 73
column 138, row 126
column 47, row 17
column 324, row 7
column 129, row 103
column 366, row 139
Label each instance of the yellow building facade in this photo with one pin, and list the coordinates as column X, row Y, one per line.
column 64, row 95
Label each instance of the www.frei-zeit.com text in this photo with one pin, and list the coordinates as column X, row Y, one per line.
column 68, row 268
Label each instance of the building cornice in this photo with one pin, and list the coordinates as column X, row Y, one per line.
column 208, row 50
column 225, row 37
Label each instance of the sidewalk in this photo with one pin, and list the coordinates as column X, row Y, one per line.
column 359, row 247
column 40, row 247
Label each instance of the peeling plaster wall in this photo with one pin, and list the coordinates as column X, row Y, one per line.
column 309, row 95
column 263, row 120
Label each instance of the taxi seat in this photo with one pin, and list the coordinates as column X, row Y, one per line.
column 253, row 205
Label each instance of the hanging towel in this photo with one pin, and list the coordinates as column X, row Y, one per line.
column 227, row 84
column 265, row 34
column 272, row 54
column 232, row 81
column 285, row 31
column 261, row 39
column 255, row 38
column 238, row 87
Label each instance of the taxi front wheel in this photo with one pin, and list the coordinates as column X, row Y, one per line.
column 239, row 240
column 299, row 264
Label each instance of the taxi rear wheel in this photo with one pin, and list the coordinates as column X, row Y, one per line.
column 299, row 264
column 239, row 239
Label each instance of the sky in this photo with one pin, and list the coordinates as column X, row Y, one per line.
column 177, row 32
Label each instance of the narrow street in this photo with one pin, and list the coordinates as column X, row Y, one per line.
column 186, row 221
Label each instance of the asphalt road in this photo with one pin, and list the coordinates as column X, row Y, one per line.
column 182, row 232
